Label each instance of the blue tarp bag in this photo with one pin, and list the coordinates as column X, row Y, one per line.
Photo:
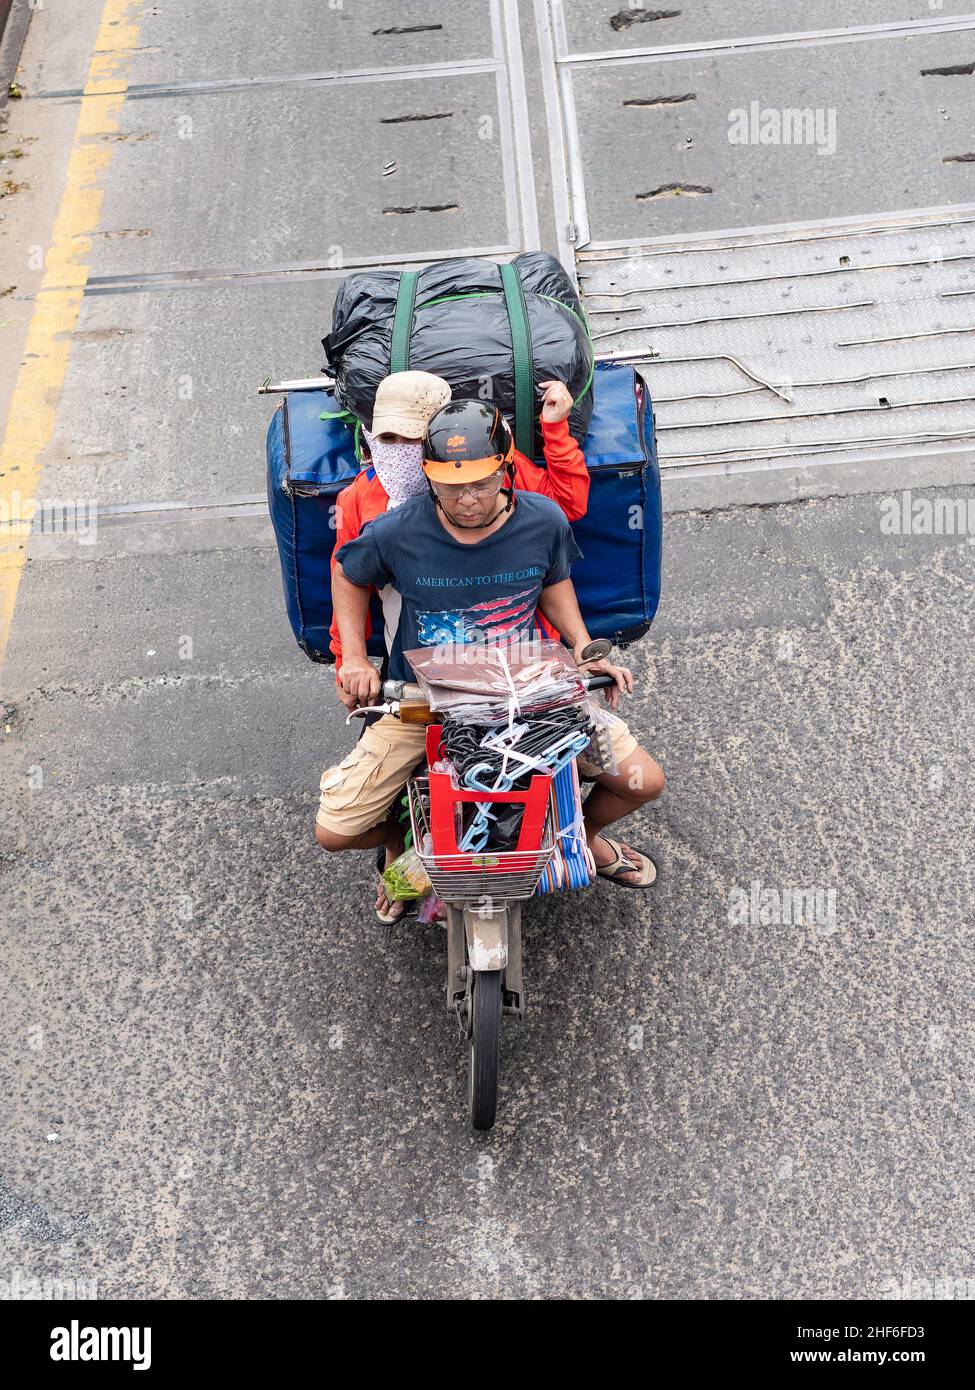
column 310, row 460
column 617, row 580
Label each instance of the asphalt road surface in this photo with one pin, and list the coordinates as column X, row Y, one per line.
column 223, row 1078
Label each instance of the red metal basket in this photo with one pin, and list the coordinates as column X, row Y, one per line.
column 465, row 876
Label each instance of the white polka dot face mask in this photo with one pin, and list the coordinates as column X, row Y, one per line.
column 399, row 467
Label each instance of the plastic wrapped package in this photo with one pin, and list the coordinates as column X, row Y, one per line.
column 406, row 879
column 432, row 909
column 457, row 323
column 488, row 677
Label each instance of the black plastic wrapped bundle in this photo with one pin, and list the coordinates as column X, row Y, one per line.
column 456, row 319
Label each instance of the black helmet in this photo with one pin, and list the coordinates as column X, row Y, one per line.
column 466, row 441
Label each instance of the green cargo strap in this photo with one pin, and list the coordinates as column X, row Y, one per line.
column 399, row 350
column 521, row 347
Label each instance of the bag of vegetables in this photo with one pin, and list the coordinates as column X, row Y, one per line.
column 406, row 878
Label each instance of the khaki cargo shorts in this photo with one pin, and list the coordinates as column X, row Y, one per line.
column 358, row 792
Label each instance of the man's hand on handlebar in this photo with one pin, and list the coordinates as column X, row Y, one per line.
column 359, row 684
column 622, row 675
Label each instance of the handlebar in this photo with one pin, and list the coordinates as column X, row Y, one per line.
column 408, row 702
column 406, row 690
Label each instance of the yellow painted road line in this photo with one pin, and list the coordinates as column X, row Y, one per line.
column 37, row 391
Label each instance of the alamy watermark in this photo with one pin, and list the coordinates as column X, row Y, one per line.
column 49, row 516
column 940, row 1288
column 771, row 125
column 22, row 1287
column 757, row 905
column 82, row 1343
column 908, row 515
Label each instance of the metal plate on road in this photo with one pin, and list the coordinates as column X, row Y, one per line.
column 312, row 182
column 601, row 25
column 798, row 345
column 774, row 213
column 158, row 405
column 296, row 36
column 702, row 144
column 293, row 37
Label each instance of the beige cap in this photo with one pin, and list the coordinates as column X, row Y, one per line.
column 406, row 402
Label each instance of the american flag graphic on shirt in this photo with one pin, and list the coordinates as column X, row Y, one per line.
column 495, row 618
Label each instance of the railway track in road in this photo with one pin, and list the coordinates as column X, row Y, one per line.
column 772, row 345
column 804, row 341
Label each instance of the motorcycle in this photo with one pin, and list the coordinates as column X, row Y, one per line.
column 483, row 887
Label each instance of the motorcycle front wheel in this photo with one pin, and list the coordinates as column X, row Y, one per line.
column 482, row 1080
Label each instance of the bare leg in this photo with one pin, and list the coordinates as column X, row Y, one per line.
column 639, row 780
column 395, row 844
column 388, row 833
column 337, row 844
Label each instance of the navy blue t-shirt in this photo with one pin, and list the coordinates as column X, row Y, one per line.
column 453, row 592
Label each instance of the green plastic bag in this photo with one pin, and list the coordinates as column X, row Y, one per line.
column 406, row 878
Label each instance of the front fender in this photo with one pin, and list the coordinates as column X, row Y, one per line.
column 486, row 930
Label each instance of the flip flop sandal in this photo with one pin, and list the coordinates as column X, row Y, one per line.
column 410, row 909
column 622, row 865
column 387, row 918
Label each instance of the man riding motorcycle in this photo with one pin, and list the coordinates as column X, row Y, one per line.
column 500, row 557
column 405, row 403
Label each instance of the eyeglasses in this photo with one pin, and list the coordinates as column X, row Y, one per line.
column 453, row 492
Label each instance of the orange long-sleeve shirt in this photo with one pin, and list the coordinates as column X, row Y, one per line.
column 565, row 479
